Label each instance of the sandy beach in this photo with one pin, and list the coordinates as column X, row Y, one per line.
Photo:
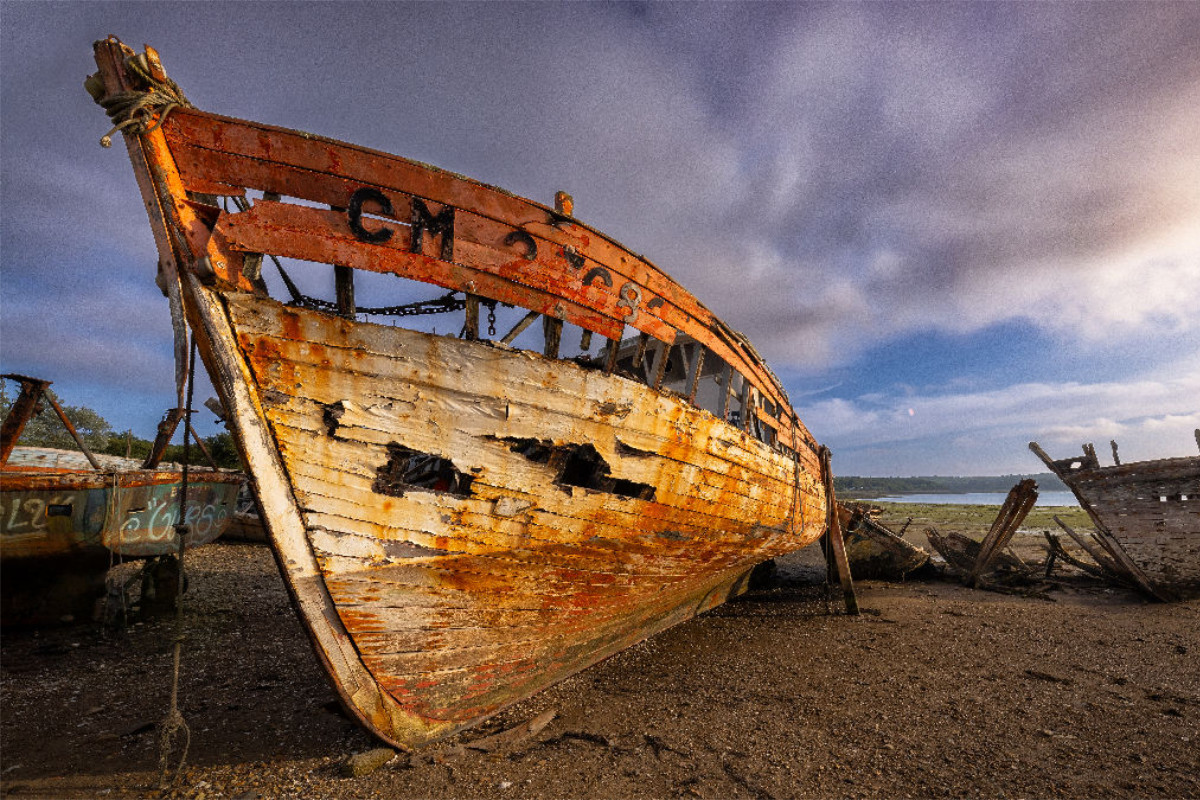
column 935, row 690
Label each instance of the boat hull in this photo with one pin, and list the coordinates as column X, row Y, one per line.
column 1143, row 505
column 62, row 524
column 1147, row 516
column 49, row 511
column 574, row 514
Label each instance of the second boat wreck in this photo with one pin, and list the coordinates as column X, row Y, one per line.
column 461, row 522
column 1146, row 515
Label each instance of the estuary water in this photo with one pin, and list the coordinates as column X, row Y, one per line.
column 1059, row 498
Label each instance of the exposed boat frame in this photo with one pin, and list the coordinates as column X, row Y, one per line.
column 1146, row 513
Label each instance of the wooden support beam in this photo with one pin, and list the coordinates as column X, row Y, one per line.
column 697, row 368
column 552, row 328
column 727, row 385
column 471, row 326
column 520, row 327
column 212, row 462
column 613, row 350
column 1098, row 554
column 660, row 365
column 833, row 534
column 745, row 412
column 62, row 415
column 343, row 278
column 639, row 357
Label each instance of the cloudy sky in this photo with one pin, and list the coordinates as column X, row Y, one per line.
column 951, row 228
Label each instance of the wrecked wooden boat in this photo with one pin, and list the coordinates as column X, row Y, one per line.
column 461, row 519
column 873, row 550
column 1146, row 514
column 64, row 515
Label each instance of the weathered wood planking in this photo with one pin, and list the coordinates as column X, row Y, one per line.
column 313, row 338
column 563, row 513
column 49, row 510
column 609, row 558
column 207, row 147
column 1150, row 508
column 1142, row 507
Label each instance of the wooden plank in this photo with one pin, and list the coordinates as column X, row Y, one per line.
column 259, row 145
column 318, row 242
column 1015, row 508
column 370, row 349
column 837, row 544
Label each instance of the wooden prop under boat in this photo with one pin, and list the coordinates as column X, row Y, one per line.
column 460, row 522
column 1146, row 513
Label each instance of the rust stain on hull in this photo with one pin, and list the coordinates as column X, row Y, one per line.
column 462, row 523
column 580, row 573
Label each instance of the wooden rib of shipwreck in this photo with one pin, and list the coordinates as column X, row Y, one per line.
column 1146, row 514
column 461, row 522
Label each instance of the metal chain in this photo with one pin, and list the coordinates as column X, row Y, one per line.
column 492, row 319
column 439, row 305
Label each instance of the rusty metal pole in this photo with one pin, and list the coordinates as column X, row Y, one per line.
column 21, row 412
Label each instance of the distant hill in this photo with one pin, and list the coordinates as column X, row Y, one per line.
column 850, row 486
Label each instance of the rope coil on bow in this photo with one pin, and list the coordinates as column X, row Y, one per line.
column 135, row 111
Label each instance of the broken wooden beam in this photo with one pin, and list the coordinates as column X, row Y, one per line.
column 1016, row 507
column 833, row 534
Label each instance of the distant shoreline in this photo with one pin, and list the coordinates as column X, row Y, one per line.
column 855, row 487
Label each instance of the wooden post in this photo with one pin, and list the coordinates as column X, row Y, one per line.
column 639, row 357
column 564, row 203
column 660, row 366
column 697, row 368
column 472, row 323
column 614, row 349
column 833, row 533
column 343, row 283
column 726, row 391
column 343, row 278
column 552, row 328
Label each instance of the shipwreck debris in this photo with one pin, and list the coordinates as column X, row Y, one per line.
column 977, row 560
column 65, row 515
column 875, row 551
column 1146, row 516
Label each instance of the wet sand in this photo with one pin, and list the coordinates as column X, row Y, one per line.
column 935, row 691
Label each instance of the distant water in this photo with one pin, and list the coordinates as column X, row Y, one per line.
column 978, row 499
